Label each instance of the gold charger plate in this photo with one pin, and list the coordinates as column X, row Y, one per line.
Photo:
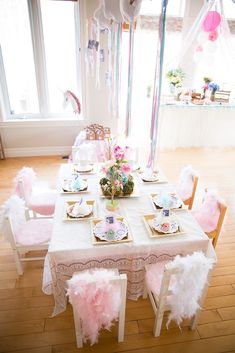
column 155, row 207
column 86, row 190
column 153, row 233
column 159, row 180
column 92, row 215
column 93, row 169
column 97, row 241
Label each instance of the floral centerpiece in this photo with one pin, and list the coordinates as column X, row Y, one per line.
column 117, row 180
column 175, row 78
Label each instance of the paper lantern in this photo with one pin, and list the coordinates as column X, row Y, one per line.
column 213, row 36
column 211, row 21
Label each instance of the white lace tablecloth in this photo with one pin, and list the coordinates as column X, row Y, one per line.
column 71, row 247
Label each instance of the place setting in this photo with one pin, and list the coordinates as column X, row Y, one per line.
column 80, row 210
column 170, row 199
column 163, row 223
column 150, row 176
column 74, row 184
column 110, row 230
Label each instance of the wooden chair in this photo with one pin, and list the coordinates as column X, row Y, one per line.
column 214, row 235
column 121, row 279
column 42, row 202
column 84, row 154
column 189, row 201
column 160, row 295
column 25, row 235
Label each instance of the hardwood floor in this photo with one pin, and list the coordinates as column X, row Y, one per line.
column 25, row 323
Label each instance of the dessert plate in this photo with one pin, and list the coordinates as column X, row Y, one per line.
column 89, row 214
column 67, row 186
column 101, row 233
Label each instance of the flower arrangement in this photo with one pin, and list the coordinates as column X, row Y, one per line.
column 117, row 181
column 175, row 77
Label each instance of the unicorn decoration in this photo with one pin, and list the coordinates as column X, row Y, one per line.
column 70, row 97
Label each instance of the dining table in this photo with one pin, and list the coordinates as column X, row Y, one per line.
column 72, row 247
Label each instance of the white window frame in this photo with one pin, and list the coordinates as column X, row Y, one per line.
column 35, row 19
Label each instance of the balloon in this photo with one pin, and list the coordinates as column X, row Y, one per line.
column 211, row 47
column 202, row 37
column 213, row 36
column 211, row 21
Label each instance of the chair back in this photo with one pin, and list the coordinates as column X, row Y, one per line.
column 187, row 185
column 98, row 297
column 214, row 235
column 14, row 212
column 85, row 153
column 179, row 288
column 190, row 200
column 24, row 182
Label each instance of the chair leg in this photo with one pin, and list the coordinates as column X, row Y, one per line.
column 121, row 323
column 145, row 291
column 19, row 266
column 158, row 324
column 78, row 329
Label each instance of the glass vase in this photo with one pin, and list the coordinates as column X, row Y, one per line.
column 112, row 205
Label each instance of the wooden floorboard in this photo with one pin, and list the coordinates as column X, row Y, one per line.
column 25, row 322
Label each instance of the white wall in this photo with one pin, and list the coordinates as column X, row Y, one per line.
column 52, row 137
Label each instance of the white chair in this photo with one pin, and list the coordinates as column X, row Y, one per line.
column 82, row 292
column 41, row 201
column 187, row 186
column 24, row 235
column 84, row 154
column 179, row 286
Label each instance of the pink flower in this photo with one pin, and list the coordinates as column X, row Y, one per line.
column 126, row 168
column 104, row 170
column 118, row 153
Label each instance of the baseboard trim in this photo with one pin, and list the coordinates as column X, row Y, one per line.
column 37, row 151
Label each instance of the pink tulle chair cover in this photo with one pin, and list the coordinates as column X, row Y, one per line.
column 185, row 186
column 209, row 212
column 34, row 231
column 43, row 203
column 28, row 177
column 95, row 299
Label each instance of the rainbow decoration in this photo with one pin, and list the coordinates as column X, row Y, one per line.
column 157, row 86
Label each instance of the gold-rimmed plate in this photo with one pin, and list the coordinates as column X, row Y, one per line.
column 97, row 241
column 179, row 205
column 153, row 233
column 92, row 214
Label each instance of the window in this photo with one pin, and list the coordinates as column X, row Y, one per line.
column 39, row 57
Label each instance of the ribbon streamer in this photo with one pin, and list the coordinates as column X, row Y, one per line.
column 157, row 86
column 130, row 80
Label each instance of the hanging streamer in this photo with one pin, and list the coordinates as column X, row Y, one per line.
column 130, row 79
column 157, row 86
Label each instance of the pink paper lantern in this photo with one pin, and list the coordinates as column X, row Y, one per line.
column 211, row 21
column 213, row 36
